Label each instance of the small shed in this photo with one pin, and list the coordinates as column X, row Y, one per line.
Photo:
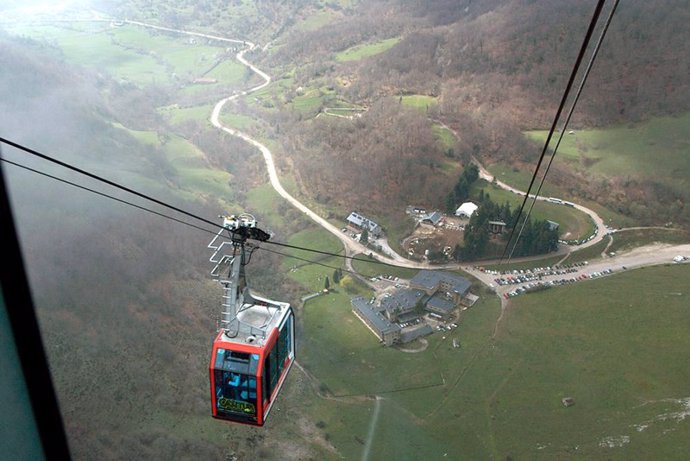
column 432, row 218
column 568, row 401
column 497, row 227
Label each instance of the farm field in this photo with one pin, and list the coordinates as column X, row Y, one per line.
column 176, row 115
column 312, row 276
column 418, row 101
column 191, row 171
column 128, row 52
column 444, row 136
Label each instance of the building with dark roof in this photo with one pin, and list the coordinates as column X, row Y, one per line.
column 453, row 286
column 401, row 303
column 497, row 227
column 414, row 333
column 433, row 218
column 441, row 305
column 387, row 332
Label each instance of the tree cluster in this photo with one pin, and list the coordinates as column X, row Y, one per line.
column 537, row 236
column 461, row 190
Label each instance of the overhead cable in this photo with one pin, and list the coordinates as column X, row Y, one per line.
column 104, row 180
column 578, row 61
column 152, row 199
column 567, row 120
column 103, row 194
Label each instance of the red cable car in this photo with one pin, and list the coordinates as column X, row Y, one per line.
column 255, row 347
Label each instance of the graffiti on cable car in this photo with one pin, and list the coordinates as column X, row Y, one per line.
column 236, row 405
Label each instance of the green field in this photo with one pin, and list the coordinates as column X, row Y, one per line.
column 573, row 223
column 308, row 102
column 627, row 239
column 653, row 149
column 419, row 101
column 372, row 269
column 265, row 199
column 445, row 137
column 238, row 121
column 191, row 172
column 312, row 275
column 176, row 115
column 601, row 342
column 229, row 72
column 520, row 179
column 132, row 53
column 364, row 51
column 316, row 20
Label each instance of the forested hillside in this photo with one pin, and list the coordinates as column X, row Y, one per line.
column 490, row 70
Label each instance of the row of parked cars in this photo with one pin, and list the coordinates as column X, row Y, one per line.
column 529, row 275
column 446, row 327
column 543, row 284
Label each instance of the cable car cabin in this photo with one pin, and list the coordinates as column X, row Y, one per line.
column 249, row 362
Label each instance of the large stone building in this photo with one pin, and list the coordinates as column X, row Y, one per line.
column 386, row 331
column 435, row 292
column 400, row 306
column 451, row 286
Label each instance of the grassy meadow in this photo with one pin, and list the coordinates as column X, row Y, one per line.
column 129, row 52
column 573, row 223
column 520, row 179
column 419, row 101
column 445, row 137
column 191, row 171
column 653, row 149
column 372, row 269
column 358, row 52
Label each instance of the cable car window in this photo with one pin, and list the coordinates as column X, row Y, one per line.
column 235, row 383
column 270, row 377
column 240, row 362
column 283, row 345
column 236, row 394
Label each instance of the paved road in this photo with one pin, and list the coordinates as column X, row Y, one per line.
column 649, row 255
column 351, row 246
column 598, row 222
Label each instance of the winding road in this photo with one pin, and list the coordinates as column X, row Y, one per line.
column 639, row 257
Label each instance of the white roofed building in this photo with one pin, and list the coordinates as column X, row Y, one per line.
column 361, row 222
column 466, row 210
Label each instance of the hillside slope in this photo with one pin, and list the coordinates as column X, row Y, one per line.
column 491, row 70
